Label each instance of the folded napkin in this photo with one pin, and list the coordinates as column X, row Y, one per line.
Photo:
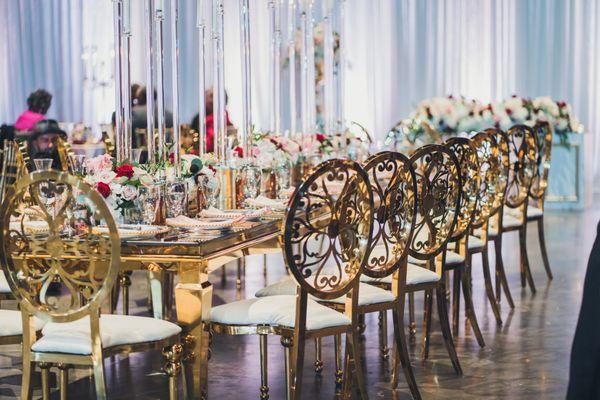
column 186, row 222
column 213, row 212
column 262, row 201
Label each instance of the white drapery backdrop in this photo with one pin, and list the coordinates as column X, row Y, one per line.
column 398, row 53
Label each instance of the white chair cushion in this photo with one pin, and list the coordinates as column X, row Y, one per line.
column 75, row 337
column 508, row 221
column 4, row 288
column 11, row 323
column 534, row 212
column 414, row 276
column 277, row 311
column 367, row 294
column 454, row 258
column 475, row 242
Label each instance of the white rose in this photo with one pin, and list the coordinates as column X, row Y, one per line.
column 129, row 192
column 106, row 176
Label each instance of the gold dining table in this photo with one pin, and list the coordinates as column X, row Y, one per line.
column 190, row 255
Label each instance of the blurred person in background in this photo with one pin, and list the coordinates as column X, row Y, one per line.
column 38, row 104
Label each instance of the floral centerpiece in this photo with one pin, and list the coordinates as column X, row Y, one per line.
column 118, row 183
column 272, row 151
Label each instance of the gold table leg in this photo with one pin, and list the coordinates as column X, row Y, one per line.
column 193, row 301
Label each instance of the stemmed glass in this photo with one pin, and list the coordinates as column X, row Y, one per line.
column 176, row 194
column 210, row 188
column 150, row 202
column 251, row 177
column 283, row 174
column 136, row 155
column 78, row 164
column 43, row 164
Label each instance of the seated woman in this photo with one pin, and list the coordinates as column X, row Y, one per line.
column 38, row 104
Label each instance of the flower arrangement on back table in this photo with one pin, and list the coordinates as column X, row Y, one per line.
column 272, row 151
column 451, row 115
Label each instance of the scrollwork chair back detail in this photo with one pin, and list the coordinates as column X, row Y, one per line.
column 523, row 161
column 438, row 199
column 490, row 174
column 470, row 181
column 9, row 170
column 543, row 135
column 36, row 249
column 503, row 157
column 328, row 229
column 394, row 186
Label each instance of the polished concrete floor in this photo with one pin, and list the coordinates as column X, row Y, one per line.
column 526, row 358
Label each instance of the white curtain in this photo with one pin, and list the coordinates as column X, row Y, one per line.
column 399, row 52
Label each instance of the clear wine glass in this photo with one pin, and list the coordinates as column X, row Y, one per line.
column 284, row 178
column 251, row 176
column 176, row 196
column 43, row 164
column 210, row 187
column 78, row 163
column 149, row 201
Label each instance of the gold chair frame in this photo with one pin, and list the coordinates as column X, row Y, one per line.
column 466, row 155
column 299, row 223
column 87, row 296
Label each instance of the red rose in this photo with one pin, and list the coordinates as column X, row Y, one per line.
column 508, row 111
column 212, row 168
column 320, row 137
column 172, row 158
column 239, row 151
column 124, row 170
column 103, row 189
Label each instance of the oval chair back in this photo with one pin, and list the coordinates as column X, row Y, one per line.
column 328, row 228
column 438, row 200
column 490, row 172
column 543, row 135
column 466, row 155
column 35, row 251
column 523, row 160
column 394, row 186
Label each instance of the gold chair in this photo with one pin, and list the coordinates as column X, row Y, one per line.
column 86, row 265
column 325, row 240
column 458, row 261
column 438, row 201
column 537, row 192
column 65, row 153
column 522, row 163
column 491, row 178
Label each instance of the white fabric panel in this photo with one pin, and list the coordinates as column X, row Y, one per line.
column 75, row 337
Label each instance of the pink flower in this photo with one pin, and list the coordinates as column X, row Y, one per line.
column 100, row 163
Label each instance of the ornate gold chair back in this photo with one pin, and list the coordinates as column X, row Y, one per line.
column 523, row 161
column 36, row 249
column 394, row 186
column 328, row 228
column 543, row 135
column 490, row 172
column 65, row 151
column 109, row 146
column 23, row 158
column 438, row 199
column 9, row 171
column 504, row 166
column 470, row 181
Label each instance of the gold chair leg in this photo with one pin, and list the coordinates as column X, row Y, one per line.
column 339, row 372
column 100, row 384
column 173, row 367
column 526, row 271
column 401, row 352
column 485, row 261
column 318, row 356
column 45, row 367
column 224, row 274
column 362, row 326
column 125, row 283
column 298, row 368
column 63, row 377
column 501, row 280
column 542, row 238
column 240, row 267
column 385, row 350
column 445, row 325
column 412, row 326
column 265, row 267
column 264, row 383
column 353, row 345
column 469, row 308
column 428, row 304
column 456, row 280
column 286, row 342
